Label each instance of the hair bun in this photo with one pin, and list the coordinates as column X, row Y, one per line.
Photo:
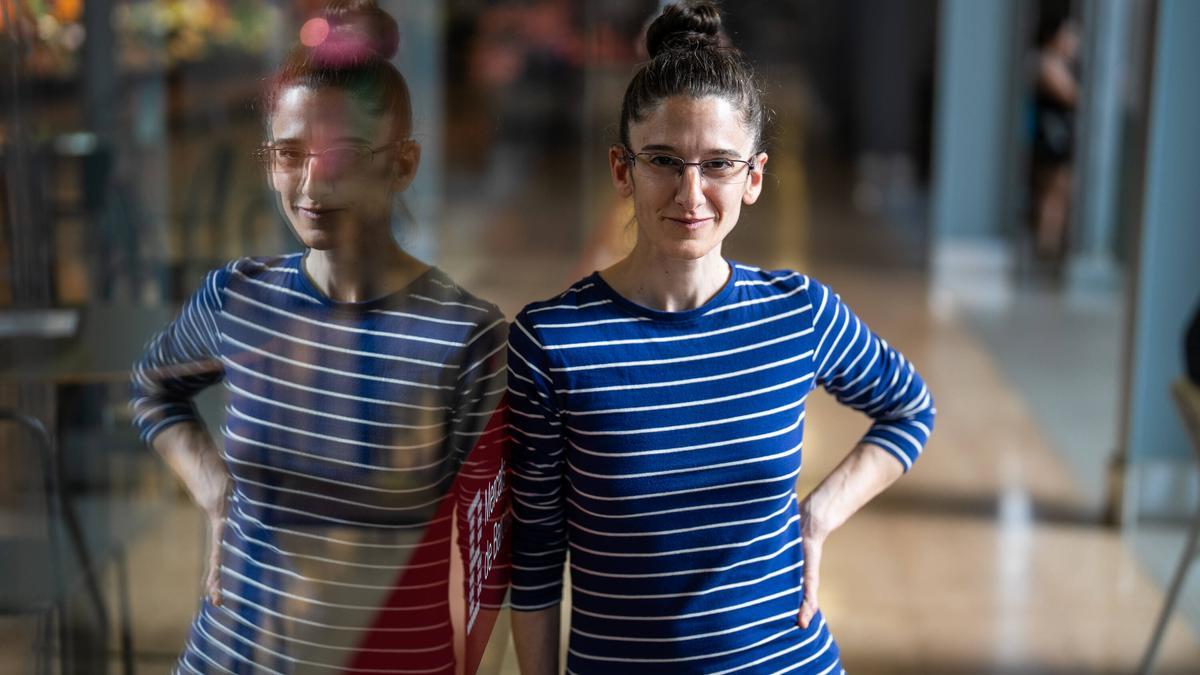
column 684, row 26
column 356, row 31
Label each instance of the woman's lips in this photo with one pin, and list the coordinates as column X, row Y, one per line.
column 314, row 213
column 691, row 223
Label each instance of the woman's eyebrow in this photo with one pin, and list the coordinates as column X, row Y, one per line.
column 711, row 152
column 341, row 140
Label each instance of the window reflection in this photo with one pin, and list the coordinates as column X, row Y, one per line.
column 128, row 134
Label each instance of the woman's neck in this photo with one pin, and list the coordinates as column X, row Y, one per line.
column 362, row 272
column 668, row 284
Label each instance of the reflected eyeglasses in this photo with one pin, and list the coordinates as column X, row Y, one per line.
column 339, row 158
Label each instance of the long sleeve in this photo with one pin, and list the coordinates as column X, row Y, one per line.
column 477, row 433
column 539, row 528
column 866, row 373
column 479, row 385
column 179, row 362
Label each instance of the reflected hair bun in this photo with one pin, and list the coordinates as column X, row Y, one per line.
column 684, row 26
column 348, row 45
column 355, row 31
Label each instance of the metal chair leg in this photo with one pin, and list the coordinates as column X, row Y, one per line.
column 125, row 610
column 1189, row 554
column 61, row 508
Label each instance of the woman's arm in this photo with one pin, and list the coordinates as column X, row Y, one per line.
column 535, row 636
column 476, row 431
column 539, row 522
column 864, row 372
column 862, row 475
column 1056, row 79
column 189, row 450
column 178, row 363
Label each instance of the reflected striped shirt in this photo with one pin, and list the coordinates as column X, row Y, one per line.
column 661, row 451
column 346, row 425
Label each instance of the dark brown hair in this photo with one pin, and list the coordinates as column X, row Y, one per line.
column 687, row 58
column 348, row 46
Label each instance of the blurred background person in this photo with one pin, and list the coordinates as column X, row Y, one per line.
column 1056, row 95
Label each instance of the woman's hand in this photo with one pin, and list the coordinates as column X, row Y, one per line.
column 189, row 450
column 212, row 576
column 814, row 534
column 864, row 473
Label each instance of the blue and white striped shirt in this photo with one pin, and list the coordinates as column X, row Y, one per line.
column 661, row 449
column 346, row 426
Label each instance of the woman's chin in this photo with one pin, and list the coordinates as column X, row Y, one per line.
column 317, row 239
column 688, row 249
column 319, row 243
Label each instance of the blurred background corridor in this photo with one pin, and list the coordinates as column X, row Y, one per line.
column 1002, row 188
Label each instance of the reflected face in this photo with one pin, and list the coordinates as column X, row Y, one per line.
column 336, row 199
column 687, row 217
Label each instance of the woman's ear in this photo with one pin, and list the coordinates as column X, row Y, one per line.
column 754, row 182
column 621, row 169
column 406, row 159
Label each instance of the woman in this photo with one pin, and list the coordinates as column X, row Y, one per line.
column 358, row 381
column 1056, row 95
column 658, row 407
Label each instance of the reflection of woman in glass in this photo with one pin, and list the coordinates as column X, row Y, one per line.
column 358, row 379
column 658, row 407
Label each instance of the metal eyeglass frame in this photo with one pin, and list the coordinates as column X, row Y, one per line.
column 631, row 157
column 265, row 151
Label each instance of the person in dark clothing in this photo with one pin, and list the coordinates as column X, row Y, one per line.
column 1055, row 99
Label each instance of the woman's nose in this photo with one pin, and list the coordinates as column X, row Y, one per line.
column 316, row 176
column 690, row 191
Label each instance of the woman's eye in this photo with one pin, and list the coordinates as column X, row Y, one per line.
column 345, row 156
column 665, row 161
column 290, row 155
column 717, row 165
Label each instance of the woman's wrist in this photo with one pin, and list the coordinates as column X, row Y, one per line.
column 814, row 518
column 862, row 475
column 195, row 460
column 219, row 507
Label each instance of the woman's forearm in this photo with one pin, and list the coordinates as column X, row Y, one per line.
column 189, row 450
column 862, row 475
column 535, row 635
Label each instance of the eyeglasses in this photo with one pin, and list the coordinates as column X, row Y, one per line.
column 338, row 159
column 670, row 167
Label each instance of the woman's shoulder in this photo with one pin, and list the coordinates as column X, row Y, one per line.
column 262, row 270
column 442, row 295
column 581, row 296
column 770, row 282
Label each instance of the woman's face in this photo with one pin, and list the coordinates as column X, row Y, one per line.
column 330, row 202
column 687, row 217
